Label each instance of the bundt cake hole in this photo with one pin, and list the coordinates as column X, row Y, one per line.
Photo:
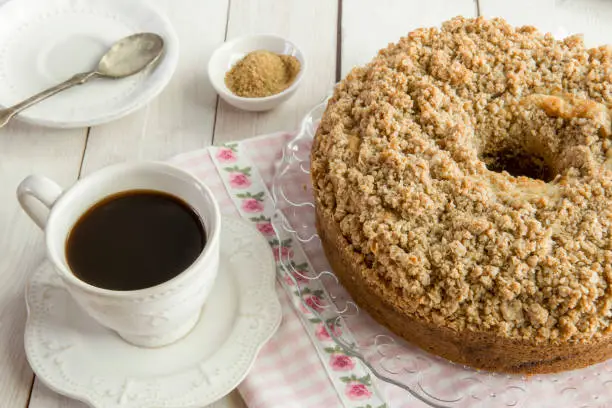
column 517, row 163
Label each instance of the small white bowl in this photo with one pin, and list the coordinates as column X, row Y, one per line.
column 232, row 51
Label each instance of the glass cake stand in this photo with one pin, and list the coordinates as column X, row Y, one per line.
column 429, row 378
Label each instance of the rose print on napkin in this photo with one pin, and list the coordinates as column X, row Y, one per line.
column 338, row 361
column 321, row 332
column 282, row 250
column 239, row 178
column 357, row 391
column 313, row 298
column 297, row 273
column 357, row 388
column 341, row 362
column 227, row 154
column 252, row 206
column 263, row 225
column 252, row 203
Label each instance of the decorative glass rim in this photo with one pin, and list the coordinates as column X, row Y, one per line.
column 384, row 353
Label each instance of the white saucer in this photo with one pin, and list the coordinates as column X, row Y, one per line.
column 45, row 42
column 76, row 357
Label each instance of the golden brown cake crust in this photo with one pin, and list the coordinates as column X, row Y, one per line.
column 463, row 188
column 481, row 350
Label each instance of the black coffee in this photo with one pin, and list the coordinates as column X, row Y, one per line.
column 134, row 240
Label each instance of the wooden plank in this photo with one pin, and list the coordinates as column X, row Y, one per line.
column 561, row 18
column 541, row 13
column 25, row 150
column 368, row 26
column 180, row 119
column 312, row 25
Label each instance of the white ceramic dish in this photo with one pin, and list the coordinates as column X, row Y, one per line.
column 232, row 51
column 45, row 42
column 76, row 357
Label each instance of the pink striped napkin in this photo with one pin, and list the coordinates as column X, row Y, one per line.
column 289, row 372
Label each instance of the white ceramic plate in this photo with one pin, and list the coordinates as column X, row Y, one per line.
column 76, row 357
column 44, row 42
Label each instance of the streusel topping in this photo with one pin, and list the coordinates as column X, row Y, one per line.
column 468, row 166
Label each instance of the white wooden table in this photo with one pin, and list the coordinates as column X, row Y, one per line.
column 334, row 34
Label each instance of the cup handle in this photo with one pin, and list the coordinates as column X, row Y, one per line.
column 35, row 190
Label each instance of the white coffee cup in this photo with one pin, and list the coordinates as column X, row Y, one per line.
column 150, row 317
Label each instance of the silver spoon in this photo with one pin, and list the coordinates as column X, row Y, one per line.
column 126, row 57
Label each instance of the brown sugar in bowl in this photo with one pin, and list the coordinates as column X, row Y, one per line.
column 228, row 54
